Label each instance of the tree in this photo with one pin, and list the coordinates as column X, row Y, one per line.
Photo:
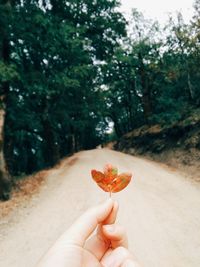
column 7, row 74
column 145, row 42
column 55, row 48
column 122, row 99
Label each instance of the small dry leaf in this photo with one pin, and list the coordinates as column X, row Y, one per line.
column 109, row 180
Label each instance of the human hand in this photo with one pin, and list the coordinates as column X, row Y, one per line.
column 108, row 247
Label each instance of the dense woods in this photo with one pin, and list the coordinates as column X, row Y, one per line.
column 69, row 69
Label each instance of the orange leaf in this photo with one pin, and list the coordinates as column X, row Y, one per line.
column 97, row 176
column 110, row 181
column 110, row 173
column 121, row 182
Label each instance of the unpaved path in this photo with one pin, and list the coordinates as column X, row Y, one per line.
column 160, row 210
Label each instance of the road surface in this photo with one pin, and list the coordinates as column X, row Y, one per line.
column 160, row 210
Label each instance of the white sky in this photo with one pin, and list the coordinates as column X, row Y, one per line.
column 159, row 9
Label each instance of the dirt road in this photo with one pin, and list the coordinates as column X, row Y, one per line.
column 160, row 210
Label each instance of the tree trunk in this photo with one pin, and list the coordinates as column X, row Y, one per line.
column 146, row 90
column 185, row 65
column 5, row 180
column 190, row 87
column 51, row 150
column 52, row 154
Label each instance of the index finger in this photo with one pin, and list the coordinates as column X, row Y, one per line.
column 78, row 233
column 99, row 243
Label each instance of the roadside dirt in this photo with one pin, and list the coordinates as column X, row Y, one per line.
column 160, row 210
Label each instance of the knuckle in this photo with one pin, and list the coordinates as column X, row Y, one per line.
column 123, row 251
column 120, row 229
column 130, row 262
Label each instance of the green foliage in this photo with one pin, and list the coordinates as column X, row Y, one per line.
column 68, row 70
column 49, row 77
column 154, row 77
column 7, row 72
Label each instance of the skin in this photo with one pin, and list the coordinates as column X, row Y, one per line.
column 80, row 247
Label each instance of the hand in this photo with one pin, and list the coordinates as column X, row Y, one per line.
column 108, row 247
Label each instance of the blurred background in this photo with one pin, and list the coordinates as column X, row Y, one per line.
column 81, row 73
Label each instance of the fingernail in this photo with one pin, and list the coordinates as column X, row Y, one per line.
column 109, row 228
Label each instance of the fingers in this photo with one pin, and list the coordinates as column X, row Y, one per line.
column 116, row 234
column 98, row 244
column 86, row 224
column 117, row 257
column 130, row 263
column 113, row 215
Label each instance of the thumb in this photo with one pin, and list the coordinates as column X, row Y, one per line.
column 78, row 233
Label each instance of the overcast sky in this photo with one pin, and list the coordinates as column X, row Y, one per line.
column 159, row 9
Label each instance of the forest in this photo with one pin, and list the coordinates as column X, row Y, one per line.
column 70, row 70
